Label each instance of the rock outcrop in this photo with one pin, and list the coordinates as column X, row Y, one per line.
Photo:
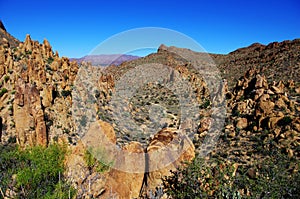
column 126, row 184
column 260, row 111
column 37, row 96
column 28, row 112
column 167, row 151
column 2, row 26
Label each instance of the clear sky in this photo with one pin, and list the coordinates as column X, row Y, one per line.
column 74, row 28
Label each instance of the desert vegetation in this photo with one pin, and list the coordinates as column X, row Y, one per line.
column 36, row 172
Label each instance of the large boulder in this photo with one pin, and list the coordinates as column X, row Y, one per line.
column 29, row 115
column 89, row 182
column 126, row 184
column 167, row 151
column 242, row 123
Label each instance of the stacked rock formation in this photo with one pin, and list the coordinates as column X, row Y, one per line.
column 36, row 106
column 262, row 115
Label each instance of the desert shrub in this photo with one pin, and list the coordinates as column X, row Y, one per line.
column 12, row 139
column 285, row 121
column 83, row 120
column 236, row 113
column 35, row 172
column 205, row 104
column 3, row 91
column 276, row 177
column 89, row 159
column 66, row 130
column 50, row 60
column 201, row 179
column 16, row 58
column 6, row 78
column 66, row 93
column 101, row 163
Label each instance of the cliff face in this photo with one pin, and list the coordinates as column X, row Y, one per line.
column 29, row 115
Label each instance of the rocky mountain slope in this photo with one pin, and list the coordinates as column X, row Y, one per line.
column 45, row 99
column 278, row 61
column 6, row 37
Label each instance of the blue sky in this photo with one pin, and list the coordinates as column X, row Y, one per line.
column 74, row 28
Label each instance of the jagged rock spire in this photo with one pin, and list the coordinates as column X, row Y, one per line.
column 28, row 43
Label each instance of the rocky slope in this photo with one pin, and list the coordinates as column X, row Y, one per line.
column 35, row 86
column 257, row 153
column 278, row 61
column 45, row 98
column 262, row 116
column 6, row 37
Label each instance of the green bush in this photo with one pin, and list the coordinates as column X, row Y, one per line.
column 50, row 60
column 3, row 91
column 6, row 78
column 201, row 179
column 66, row 93
column 285, row 121
column 37, row 170
column 100, row 166
column 275, row 177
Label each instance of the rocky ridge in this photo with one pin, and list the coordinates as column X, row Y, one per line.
column 5, row 37
column 277, row 61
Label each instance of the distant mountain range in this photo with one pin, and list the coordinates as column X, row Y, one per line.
column 279, row 60
column 105, row 60
column 96, row 60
